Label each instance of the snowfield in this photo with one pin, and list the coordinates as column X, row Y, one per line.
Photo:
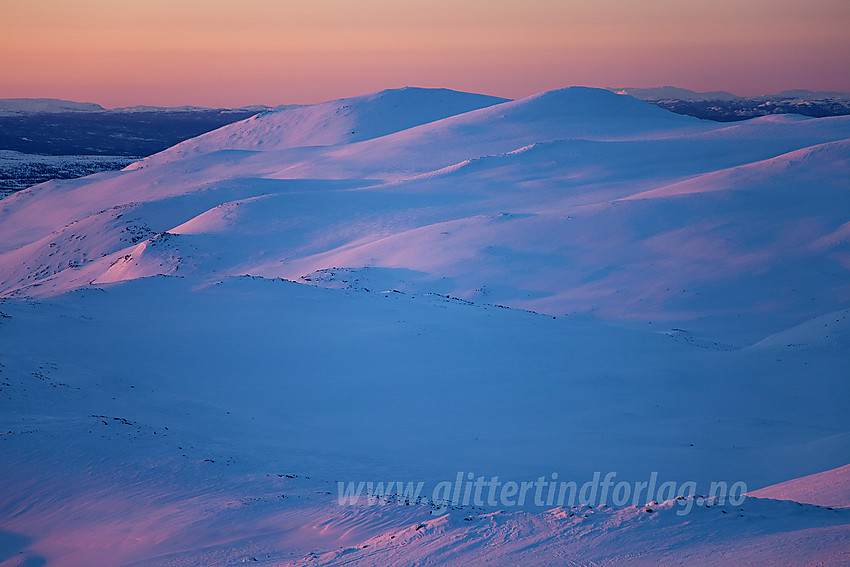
column 419, row 286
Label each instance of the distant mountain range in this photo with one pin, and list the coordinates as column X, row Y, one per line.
column 51, row 127
column 89, row 138
column 45, row 138
column 723, row 106
column 17, row 106
column 676, row 93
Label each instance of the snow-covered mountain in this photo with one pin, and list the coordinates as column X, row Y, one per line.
column 725, row 107
column 491, row 203
column 332, row 123
column 18, row 106
column 422, row 285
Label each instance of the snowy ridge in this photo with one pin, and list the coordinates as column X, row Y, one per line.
column 331, row 123
column 830, row 160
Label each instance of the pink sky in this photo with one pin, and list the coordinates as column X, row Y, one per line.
column 228, row 53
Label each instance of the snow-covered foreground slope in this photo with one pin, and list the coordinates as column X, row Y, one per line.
column 206, row 426
column 197, row 350
column 827, row 488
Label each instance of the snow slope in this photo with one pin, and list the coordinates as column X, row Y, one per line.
column 540, row 204
column 416, row 283
column 330, row 123
column 828, row 488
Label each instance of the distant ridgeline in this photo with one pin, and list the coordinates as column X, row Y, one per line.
column 48, row 139
column 722, row 106
column 728, row 111
column 86, row 138
column 108, row 132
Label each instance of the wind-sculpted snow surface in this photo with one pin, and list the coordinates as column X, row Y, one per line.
column 414, row 283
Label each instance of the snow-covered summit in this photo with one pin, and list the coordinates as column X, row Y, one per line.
column 335, row 122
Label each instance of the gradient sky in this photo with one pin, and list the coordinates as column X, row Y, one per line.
column 229, row 53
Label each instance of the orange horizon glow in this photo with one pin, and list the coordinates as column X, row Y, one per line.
column 221, row 53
